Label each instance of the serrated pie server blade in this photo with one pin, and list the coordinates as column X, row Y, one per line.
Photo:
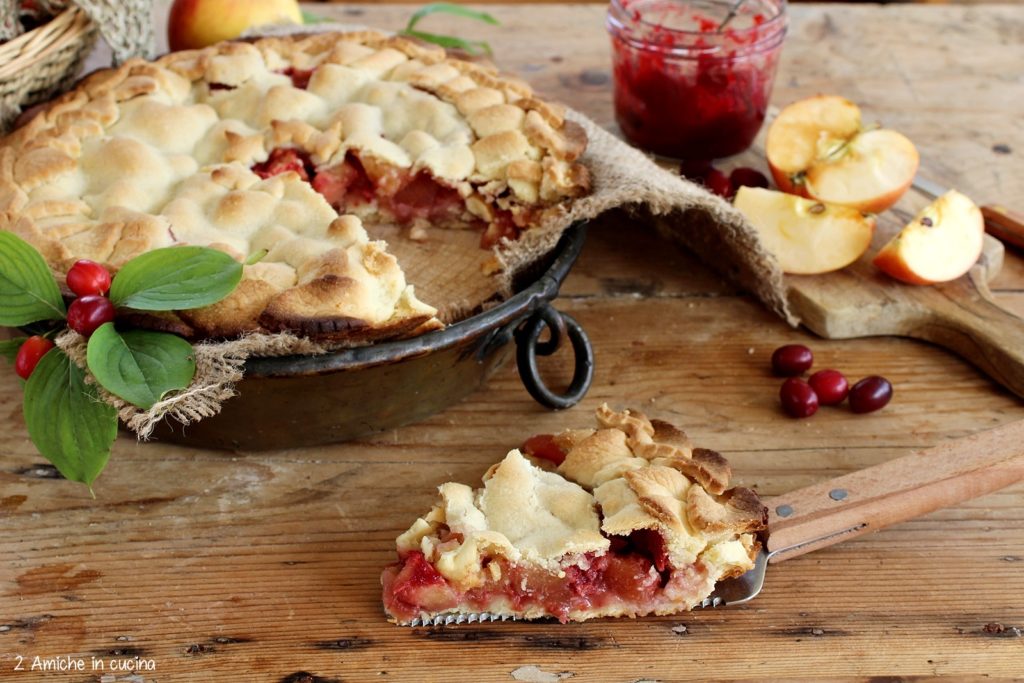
column 729, row 592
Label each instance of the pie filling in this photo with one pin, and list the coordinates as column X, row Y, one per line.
column 633, row 578
column 376, row 190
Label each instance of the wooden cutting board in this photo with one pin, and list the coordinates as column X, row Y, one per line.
column 861, row 301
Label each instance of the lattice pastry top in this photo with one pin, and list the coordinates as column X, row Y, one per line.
column 284, row 144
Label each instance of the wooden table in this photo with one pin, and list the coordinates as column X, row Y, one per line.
column 264, row 566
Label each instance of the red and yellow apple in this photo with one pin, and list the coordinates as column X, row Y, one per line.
column 818, row 148
column 805, row 235
column 942, row 242
column 198, row 23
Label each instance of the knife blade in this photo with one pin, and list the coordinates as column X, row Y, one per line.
column 1001, row 222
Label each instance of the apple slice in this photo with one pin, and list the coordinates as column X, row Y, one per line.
column 942, row 242
column 806, row 236
column 818, row 148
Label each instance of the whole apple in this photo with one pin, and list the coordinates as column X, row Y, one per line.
column 198, row 23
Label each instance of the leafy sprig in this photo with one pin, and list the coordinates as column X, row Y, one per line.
column 473, row 47
column 67, row 421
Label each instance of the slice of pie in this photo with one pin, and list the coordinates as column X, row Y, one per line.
column 624, row 520
column 287, row 145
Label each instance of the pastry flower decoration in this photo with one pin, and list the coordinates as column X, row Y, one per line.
column 67, row 419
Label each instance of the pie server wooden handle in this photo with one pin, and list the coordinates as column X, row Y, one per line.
column 861, row 502
column 1004, row 224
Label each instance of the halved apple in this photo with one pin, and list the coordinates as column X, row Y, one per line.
column 818, row 148
column 806, row 236
column 942, row 242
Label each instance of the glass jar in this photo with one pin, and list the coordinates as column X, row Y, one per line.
column 686, row 86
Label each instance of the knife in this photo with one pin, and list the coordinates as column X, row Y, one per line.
column 1000, row 222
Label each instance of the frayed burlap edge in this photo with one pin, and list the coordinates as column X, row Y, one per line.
column 625, row 178
column 219, row 366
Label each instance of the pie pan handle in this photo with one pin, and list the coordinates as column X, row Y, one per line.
column 529, row 346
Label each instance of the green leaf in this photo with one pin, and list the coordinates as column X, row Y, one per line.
column 9, row 348
column 256, row 256
column 66, row 420
column 447, row 8
column 138, row 365
column 175, row 279
column 28, row 292
column 310, row 18
column 473, row 47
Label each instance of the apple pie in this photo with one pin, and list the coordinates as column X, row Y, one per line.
column 624, row 520
column 284, row 147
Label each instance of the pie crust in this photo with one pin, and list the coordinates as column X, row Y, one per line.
column 286, row 144
column 624, row 520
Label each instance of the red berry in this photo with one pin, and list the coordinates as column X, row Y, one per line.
column 792, row 360
column 695, row 169
column 88, row 277
column 870, row 394
column 29, row 355
column 87, row 313
column 747, row 177
column 718, row 182
column 798, row 398
column 830, row 386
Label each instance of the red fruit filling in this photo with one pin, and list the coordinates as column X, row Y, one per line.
column 544, row 446
column 283, row 160
column 635, row 574
column 503, row 226
column 346, row 184
column 300, row 77
column 398, row 194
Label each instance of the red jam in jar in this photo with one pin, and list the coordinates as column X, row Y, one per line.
column 685, row 85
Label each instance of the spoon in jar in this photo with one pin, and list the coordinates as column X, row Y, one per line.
column 733, row 11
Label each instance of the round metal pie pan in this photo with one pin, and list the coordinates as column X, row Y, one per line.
column 309, row 400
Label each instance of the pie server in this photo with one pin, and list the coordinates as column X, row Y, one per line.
column 861, row 502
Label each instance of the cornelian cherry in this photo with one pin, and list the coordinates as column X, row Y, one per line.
column 745, row 176
column 87, row 313
column 798, row 398
column 695, row 169
column 718, row 183
column 792, row 360
column 830, row 386
column 88, row 277
column 870, row 394
column 29, row 355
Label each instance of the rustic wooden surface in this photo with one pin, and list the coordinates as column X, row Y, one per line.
column 263, row 567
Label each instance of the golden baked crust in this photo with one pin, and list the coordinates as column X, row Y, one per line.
column 631, row 475
column 183, row 151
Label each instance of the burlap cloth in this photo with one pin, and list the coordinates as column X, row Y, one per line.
column 622, row 177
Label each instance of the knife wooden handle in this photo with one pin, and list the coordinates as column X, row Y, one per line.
column 861, row 502
column 1004, row 224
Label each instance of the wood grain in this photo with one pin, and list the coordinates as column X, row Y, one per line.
column 869, row 500
column 263, row 567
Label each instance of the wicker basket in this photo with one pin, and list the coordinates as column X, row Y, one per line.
column 38, row 64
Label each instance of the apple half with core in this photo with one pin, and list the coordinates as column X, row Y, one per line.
column 806, row 236
column 942, row 242
column 195, row 24
column 818, row 148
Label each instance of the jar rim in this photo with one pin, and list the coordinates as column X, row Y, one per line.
column 769, row 29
